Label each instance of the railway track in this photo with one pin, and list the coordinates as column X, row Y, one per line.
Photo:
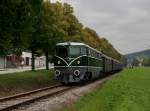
column 12, row 102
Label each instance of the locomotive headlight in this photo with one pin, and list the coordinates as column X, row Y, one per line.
column 78, row 62
column 57, row 72
column 76, row 72
column 58, row 62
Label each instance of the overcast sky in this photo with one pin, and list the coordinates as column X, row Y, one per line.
column 125, row 23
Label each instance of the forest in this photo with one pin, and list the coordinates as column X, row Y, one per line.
column 37, row 25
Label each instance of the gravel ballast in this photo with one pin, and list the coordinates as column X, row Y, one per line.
column 60, row 101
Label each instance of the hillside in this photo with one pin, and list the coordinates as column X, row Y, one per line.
column 135, row 54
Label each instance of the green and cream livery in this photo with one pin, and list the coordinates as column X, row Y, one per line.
column 75, row 62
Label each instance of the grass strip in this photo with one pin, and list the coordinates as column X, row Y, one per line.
column 130, row 91
column 25, row 81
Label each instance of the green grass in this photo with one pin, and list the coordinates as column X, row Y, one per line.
column 129, row 91
column 24, row 81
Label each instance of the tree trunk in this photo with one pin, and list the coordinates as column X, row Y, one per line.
column 33, row 61
column 47, row 61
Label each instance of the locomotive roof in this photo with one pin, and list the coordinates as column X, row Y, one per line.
column 71, row 43
column 76, row 43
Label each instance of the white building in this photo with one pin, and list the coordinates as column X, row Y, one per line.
column 2, row 62
column 13, row 61
column 39, row 61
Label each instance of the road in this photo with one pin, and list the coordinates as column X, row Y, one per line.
column 20, row 69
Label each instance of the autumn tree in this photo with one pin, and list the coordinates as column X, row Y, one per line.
column 68, row 23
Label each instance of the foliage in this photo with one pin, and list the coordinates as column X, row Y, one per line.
column 69, row 23
column 129, row 91
column 15, row 26
column 93, row 39
column 22, row 26
column 6, row 26
column 37, row 25
column 142, row 60
column 124, row 61
column 135, row 62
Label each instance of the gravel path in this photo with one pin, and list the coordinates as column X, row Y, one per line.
column 20, row 69
column 62, row 100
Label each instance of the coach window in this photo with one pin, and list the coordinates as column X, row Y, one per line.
column 96, row 54
column 93, row 53
column 89, row 52
column 99, row 55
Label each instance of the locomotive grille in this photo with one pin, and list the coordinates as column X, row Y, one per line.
column 66, row 70
column 65, row 77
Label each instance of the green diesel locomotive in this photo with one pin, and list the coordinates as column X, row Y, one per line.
column 76, row 62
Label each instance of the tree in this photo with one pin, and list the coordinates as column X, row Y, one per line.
column 143, row 59
column 59, row 25
column 69, row 24
column 6, row 26
column 148, row 62
column 94, row 40
column 35, row 39
column 135, row 62
column 22, row 26
column 124, row 60
column 37, row 25
column 51, row 35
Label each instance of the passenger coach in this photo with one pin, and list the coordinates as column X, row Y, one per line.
column 75, row 62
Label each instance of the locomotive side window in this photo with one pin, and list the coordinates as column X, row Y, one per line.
column 83, row 50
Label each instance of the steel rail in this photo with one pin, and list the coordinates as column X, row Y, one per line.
column 12, row 102
column 27, row 93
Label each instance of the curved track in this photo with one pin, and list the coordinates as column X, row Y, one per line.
column 12, row 102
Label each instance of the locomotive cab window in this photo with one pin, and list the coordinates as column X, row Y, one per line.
column 75, row 51
column 62, row 51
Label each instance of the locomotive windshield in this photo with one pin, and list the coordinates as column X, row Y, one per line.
column 74, row 51
column 62, row 51
column 70, row 51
